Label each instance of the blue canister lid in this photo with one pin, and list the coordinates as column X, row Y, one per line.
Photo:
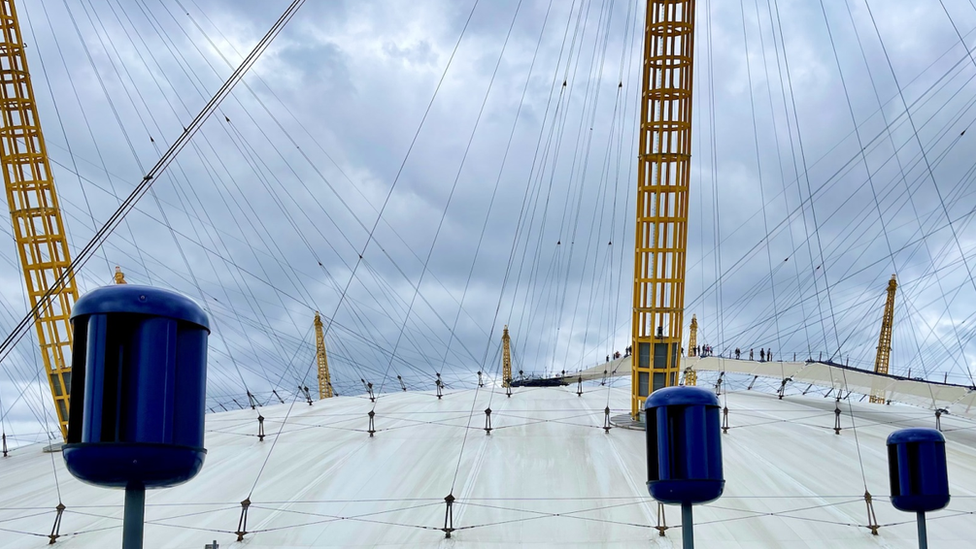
column 143, row 300
column 680, row 396
column 915, row 434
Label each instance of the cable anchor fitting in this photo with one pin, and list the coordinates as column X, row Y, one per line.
column 837, row 417
column 872, row 519
column 579, row 386
column 440, row 387
column 606, row 420
column 56, row 529
column 725, row 420
column 488, row 421
column 402, row 385
column 308, row 397
column 662, row 521
column 260, row 428
column 242, row 522
column 448, row 516
column 372, row 428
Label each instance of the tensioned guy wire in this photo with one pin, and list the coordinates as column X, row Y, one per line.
column 140, row 190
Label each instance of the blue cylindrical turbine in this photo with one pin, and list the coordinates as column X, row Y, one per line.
column 684, row 446
column 917, row 470
column 139, row 367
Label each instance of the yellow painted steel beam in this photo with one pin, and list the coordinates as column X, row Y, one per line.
column 691, row 376
column 664, row 164
column 884, row 340
column 325, row 380
column 506, row 358
column 34, row 211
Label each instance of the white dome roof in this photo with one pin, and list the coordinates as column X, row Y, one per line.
column 548, row 475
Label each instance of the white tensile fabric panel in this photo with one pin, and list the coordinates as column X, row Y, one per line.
column 547, row 476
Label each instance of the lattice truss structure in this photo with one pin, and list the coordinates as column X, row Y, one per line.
column 884, row 339
column 664, row 170
column 322, row 360
column 549, row 472
column 35, row 213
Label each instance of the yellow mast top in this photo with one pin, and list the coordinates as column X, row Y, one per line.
column 884, row 340
column 325, row 380
column 506, row 358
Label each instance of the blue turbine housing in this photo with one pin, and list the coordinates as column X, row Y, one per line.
column 917, row 470
column 139, row 373
column 684, row 445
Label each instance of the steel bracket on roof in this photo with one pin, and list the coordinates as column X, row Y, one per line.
column 56, row 529
column 242, row 522
column 872, row 519
column 662, row 521
column 448, row 516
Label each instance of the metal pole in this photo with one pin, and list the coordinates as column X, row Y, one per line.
column 923, row 541
column 687, row 527
column 134, row 515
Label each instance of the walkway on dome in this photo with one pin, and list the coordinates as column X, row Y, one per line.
column 951, row 398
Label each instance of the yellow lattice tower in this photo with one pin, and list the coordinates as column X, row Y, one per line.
column 506, row 358
column 34, row 212
column 325, row 380
column 664, row 163
column 119, row 276
column 691, row 376
column 884, row 340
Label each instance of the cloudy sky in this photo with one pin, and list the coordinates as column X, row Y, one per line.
column 424, row 173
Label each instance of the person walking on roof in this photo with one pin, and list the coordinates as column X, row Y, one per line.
column 737, row 353
column 762, row 355
column 751, row 355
